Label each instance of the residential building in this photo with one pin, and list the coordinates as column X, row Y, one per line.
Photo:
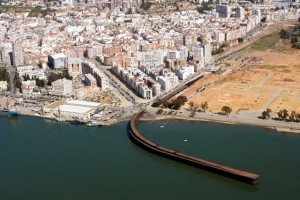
column 224, row 11
column 62, row 87
column 240, row 12
column 207, row 53
column 58, row 61
column 17, row 54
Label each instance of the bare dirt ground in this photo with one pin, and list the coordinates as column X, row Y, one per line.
column 258, row 80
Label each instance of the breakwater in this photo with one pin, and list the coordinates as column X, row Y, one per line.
column 190, row 160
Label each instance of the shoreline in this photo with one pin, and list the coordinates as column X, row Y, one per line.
column 280, row 128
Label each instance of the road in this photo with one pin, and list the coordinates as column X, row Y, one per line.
column 116, row 83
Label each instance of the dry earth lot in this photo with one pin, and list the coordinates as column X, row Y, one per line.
column 267, row 79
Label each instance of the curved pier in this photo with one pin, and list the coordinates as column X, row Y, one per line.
column 190, row 160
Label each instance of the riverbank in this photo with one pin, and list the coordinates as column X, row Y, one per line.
column 279, row 126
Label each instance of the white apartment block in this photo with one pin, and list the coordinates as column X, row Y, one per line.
column 168, row 80
column 62, row 87
column 184, row 72
column 17, row 53
column 207, row 53
column 90, row 68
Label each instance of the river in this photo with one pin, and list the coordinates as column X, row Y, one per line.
column 42, row 159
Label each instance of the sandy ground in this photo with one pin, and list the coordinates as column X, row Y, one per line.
column 264, row 80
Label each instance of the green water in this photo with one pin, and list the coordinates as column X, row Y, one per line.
column 47, row 160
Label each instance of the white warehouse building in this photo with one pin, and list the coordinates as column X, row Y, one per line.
column 73, row 108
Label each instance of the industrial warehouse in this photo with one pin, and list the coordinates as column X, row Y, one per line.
column 72, row 108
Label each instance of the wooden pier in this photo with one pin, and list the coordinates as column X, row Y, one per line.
column 190, row 160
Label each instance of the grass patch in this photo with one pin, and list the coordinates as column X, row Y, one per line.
column 266, row 43
column 33, row 11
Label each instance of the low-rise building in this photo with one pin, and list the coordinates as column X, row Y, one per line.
column 73, row 108
column 28, row 86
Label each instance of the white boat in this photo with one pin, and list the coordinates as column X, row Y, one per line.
column 93, row 123
column 60, row 119
column 47, row 117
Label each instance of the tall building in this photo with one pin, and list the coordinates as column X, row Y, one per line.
column 224, row 11
column 128, row 6
column 257, row 12
column 207, row 53
column 197, row 52
column 240, row 12
column 17, row 53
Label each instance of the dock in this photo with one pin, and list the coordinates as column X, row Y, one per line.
column 139, row 139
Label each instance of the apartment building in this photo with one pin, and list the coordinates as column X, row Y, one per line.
column 62, row 87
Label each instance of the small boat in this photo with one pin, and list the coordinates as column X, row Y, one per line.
column 93, row 123
column 9, row 112
column 58, row 119
column 162, row 126
column 47, row 117
column 77, row 122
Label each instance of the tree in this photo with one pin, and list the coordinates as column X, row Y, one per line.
column 159, row 111
column 191, row 104
column 166, row 104
column 226, row 110
column 182, row 99
column 204, row 106
column 266, row 114
column 294, row 39
column 284, row 34
column 298, row 117
column 40, row 82
column 240, row 40
column 293, row 116
column 17, row 80
column 283, row 114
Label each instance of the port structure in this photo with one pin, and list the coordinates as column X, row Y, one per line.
column 139, row 139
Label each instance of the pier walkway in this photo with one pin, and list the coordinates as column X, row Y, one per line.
column 190, row 160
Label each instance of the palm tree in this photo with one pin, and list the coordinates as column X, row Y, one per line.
column 191, row 104
column 283, row 114
column 298, row 116
column 293, row 116
column 266, row 114
column 204, row 106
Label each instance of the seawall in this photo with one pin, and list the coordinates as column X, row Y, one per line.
column 138, row 138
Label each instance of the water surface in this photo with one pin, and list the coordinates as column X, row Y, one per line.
column 41, row 159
